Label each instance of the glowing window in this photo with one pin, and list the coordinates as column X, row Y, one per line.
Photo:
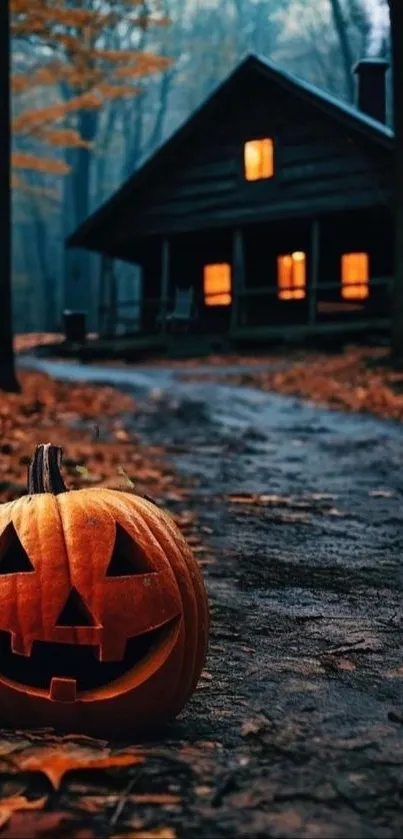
column 355, row 276
column 259, row 159
column 291, row 276
column 217, row 284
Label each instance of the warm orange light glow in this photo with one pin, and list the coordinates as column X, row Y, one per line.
column 355, row 276
column 217, row 284
column 259, row 159
column 291, row 276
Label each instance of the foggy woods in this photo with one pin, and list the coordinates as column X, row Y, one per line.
column 201, row 419
column 147, row 75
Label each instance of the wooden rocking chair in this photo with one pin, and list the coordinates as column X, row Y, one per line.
column 181, row 316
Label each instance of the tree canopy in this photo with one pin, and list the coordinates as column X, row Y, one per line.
column 71, row 56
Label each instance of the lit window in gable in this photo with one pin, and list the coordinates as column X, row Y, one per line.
column 259, row 159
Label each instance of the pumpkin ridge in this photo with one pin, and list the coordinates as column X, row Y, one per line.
column 186, row 573
column 64, row 545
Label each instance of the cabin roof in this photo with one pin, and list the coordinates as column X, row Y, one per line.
column 350, row 116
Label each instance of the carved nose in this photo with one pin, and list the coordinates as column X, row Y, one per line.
column 75, row 612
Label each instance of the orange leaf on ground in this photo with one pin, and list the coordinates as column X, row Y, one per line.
column 14, row 803
column 56, row 761
column 32, row 825
column 97, row 803
column 157, row 833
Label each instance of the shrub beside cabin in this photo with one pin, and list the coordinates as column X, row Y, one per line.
column 267, row 213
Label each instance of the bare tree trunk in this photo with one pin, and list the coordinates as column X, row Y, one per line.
column 48, row 313
column 135, row 134
column 396, row 19
column 102, row 161
column 157, row 135
column 77, row 264
column 345, row 46
column 8, row 380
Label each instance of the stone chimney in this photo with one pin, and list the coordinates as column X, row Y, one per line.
column 371, row 87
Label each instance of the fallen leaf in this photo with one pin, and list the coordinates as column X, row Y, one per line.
column 203, row 791
column 56, row 761
column 273, row 499
column 346, row 664
column 15, row 803
column 157, row 833
column 84, row 833
column 289, row 820
column 292, row 518
column 244, row 499
column 335, row 512
column 33, row 824
column 336, row 663
column 252, row 727
column 95, row 803
column 380, row 493
column 395, row 674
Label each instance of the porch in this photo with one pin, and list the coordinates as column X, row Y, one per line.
column 300, row 276
column 256, row 284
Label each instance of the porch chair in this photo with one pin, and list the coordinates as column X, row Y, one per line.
column 183, row 312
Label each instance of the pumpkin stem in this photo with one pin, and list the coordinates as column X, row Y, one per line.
column 44, row 470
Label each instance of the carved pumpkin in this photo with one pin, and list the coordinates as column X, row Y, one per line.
column 103, row 611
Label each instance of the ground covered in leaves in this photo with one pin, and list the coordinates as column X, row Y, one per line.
column 358, row 378
column 355, row 378
column 91, row 425
column 294, row 512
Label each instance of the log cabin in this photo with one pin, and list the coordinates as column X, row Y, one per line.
column 268, row 213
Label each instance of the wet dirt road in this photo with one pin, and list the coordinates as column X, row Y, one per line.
column 297, row 727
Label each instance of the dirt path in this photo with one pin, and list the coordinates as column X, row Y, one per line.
column 296, row 729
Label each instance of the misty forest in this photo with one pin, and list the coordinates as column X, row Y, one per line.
column 201, row 419
column 149, row 73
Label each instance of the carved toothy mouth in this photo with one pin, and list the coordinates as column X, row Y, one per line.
column 65, row 670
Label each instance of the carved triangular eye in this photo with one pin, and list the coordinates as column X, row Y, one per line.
column 127, row 558
column 13, row 558
column 75, row 612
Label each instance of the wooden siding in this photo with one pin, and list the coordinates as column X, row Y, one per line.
column 320, row 167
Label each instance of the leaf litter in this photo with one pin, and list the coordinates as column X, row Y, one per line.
column 282, row 716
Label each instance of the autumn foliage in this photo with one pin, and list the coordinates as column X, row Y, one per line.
column 91, row 425
column 77, row 62
column 357, row 379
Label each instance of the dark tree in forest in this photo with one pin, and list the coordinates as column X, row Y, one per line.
column 396, row 22
column 8, row 379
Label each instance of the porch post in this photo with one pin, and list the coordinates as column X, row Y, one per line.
column 238, row 276
column 113, row 299
column 107, row 303
column 314, row 272
column 101, row 294
column 165, row 259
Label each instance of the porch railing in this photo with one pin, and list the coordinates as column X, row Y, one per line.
column 261, row 306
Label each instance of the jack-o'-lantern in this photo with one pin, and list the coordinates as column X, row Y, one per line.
column 103, row 611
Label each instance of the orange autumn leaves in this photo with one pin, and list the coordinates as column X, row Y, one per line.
column 23, row 757
column 75, row 61
column 93, row 425
column 357, row 378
